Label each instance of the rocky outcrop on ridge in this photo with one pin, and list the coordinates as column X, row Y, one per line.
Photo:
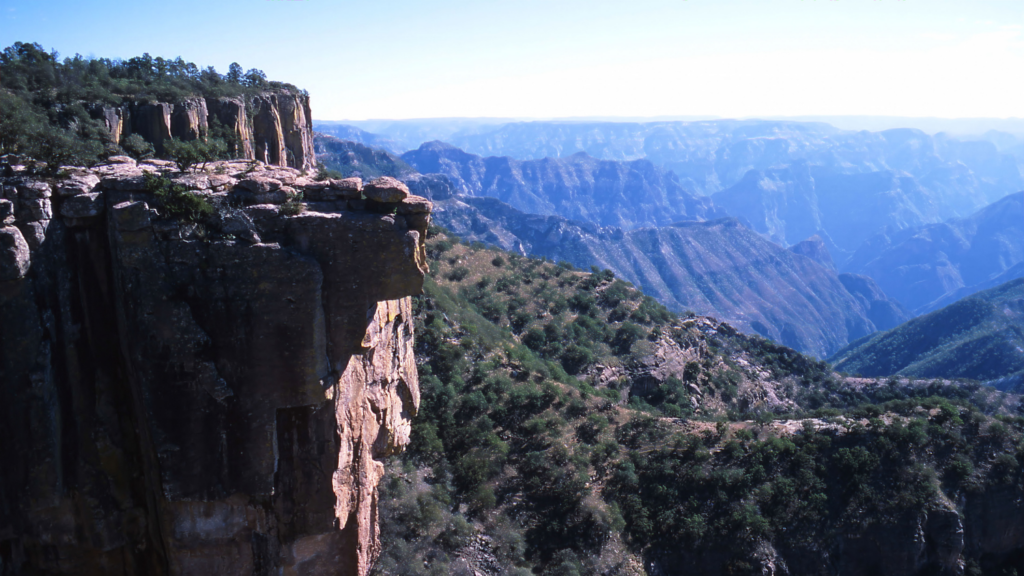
column 205, row 394
column 274, row 127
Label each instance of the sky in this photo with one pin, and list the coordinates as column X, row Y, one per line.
column 568, row 58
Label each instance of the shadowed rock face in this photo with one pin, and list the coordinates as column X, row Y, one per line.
column 280, row 131
column 179, row 400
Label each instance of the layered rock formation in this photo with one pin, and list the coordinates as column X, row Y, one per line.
column 606, row 192
column 274, row 127
column 202, row 395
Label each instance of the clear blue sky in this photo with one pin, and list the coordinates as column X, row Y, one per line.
column 559, row 58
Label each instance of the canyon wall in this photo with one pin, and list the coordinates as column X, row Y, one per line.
column 202, row 395
column 274, row 127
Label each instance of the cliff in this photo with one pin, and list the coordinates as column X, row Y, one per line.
column 272, row 127
column 199, row 376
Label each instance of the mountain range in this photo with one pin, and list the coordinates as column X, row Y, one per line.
column 927, row 267
column 713, row 155
column 636, row 220
column 607, row 192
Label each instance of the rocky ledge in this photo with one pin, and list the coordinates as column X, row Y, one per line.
column 199, row 372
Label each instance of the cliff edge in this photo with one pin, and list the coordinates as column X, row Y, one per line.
column 199, row 372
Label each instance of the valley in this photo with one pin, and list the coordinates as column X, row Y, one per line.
column 238, row 341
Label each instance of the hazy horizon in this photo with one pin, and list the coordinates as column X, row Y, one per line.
column 929, row 125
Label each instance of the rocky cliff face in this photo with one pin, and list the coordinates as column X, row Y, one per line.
column 275, row 127
column 202, row 395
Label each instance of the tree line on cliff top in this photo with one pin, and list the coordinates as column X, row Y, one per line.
column 44, row 101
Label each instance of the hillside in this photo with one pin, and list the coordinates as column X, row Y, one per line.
column 667, row 450
column 715, row 268
column 929, row 266
column 628, row 194
column 980, row 337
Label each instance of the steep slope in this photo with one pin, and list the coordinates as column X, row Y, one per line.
column 883, row 311
column 661, row 456
column 923, row 266
column 716, row 268
column 609, row 193
column 980, row 337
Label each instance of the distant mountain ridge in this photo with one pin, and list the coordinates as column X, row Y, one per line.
column 929, row 266
column 580, row 187
column 980, row 337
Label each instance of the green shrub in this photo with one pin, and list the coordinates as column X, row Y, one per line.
column 137, row 147
column 187, row 154
column 177, row 201
column 458, row 274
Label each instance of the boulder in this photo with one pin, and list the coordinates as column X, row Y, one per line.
column 34, row 232
column 35, row 209
column 260, row 184
column 78, row 184
column 415, row 205
column 386, row 189
column 121, row 160
column 83, row 206
column 33, row 189
column 132, row 216
column 14, row 254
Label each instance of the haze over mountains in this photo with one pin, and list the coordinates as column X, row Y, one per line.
column 927, row 267
column 880, row 223
column 607, row 192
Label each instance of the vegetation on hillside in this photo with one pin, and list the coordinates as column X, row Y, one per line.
column 45, row 101
column 979, row 337
column 525, row 461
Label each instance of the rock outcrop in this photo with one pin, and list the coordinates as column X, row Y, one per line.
column 209, row 395
column 274, row 127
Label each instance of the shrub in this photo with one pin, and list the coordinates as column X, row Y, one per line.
column 458, row 274
column 187, row 154
column 177, row 201
column 137, row 147
column 294, row 206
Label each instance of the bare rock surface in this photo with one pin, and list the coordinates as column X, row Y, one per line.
column 208, row 397
column 386, row 189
